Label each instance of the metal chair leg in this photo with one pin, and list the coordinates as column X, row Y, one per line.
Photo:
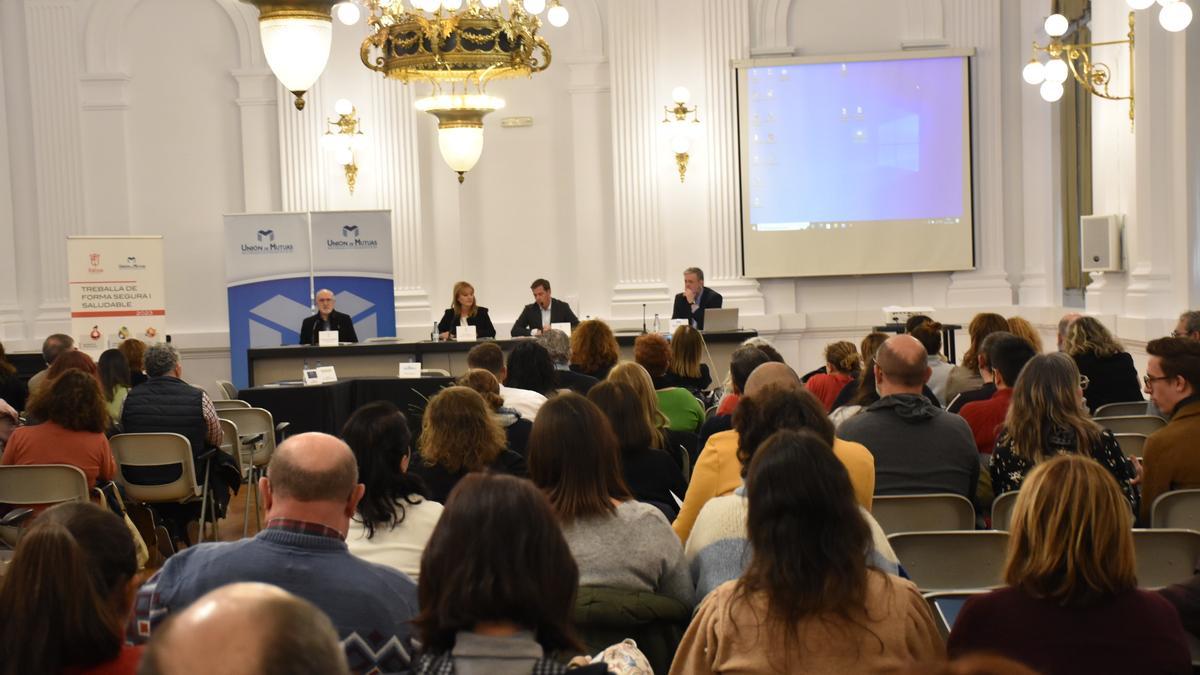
column 204, row 497
column 250, row 487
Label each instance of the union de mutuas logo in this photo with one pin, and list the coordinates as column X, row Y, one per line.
column 351, row 238
column 265, row 244
column 131, row 263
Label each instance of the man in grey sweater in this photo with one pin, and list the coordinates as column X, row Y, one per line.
column 918, row 447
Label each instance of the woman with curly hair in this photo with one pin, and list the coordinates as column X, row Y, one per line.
column 516, row 428
column 72, row 432
column 965, row 376
column 1111, row 375
column 459, row 436
column 842, row 365
column 73, row 360
column 594, row 349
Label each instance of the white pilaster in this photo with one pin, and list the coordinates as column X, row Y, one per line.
column 1041, row 277
column 256, row 101
column 639, row 254
column 977, row 23
column 591, row 107
column 726, row 27
column 104, row 100
column 301, row 175
column 400, row 190
column 12, row 324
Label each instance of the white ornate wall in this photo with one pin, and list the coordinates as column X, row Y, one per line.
column 111, row 124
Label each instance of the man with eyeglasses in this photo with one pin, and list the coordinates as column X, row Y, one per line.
column 1188, row 326
column 1173, row 382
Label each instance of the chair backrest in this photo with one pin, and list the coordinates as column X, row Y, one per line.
column 952, row 561
column 923, row 513
column 231, row 443
column 42, row 484
column 155, row 450
column 230, row 403
column 435, row 372
column 1122, row 409
column 251, row 422
column 1178, row 509
column 1165, row 557
column 946, row 605
column 1002, row 509
column 1131, row 444
column 226, row 387
column 1132, row 424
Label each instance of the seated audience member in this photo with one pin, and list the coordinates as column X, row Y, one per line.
column 808, row 600
column 664, row 437
column 1023, row 329
column 718, row 471
column 594, row 349
column 862, row 389
column 1186, row 599
column 965, row 376
column 73, row 360
column 1071, row 575
column 516, row 428
column 66, row 595
column 52, row 346
column 1007, row 354
column 558, row 345
column 1173, row 382
column 72, row 430
column 529, row 367
column 842, row 364
column 12, row 389
column 541, row 314
column 652, row 475
column 1046, row 418
column 114, row 381
column 681, row 407
column 490, row 357
column 326, row 319
column 247, row 629
column 1188, row 326
column 715, row 547
column 458, row 436
column 685, row 368
column 394, row 519
column 1109, row 369
column 918, row 447
column 464, row 312
column 477, row 616
column 929, row 334
column 310, row 492
column 9, row 420
column 866, row 349
column 135, row 353
column 1064, row 324
column 914, row 321
column 742, row 362
column 617, row 542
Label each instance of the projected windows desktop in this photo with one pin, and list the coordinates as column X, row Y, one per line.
column 856, row 167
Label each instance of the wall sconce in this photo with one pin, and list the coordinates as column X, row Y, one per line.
column 676, row 115
column 345, row 140
column 1071, row 60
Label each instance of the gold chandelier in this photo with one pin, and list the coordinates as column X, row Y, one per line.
column 457, row 46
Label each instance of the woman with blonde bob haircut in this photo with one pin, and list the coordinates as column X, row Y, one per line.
column 1072, row 604
column 1046, row 418
column 685, row 368
column 459, row 436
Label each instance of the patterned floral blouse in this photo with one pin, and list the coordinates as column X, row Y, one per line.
column 1008, row 470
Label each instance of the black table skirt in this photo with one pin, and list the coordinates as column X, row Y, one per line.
column 326, row 407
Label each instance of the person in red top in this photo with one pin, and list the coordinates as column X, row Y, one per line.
column 1004, row 354
column 72, row 432
column 842, row 364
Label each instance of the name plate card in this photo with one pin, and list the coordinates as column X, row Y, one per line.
column 409, row 370
column 564, row 327
column 327, row 338
column 327, row 374
column 465, row 333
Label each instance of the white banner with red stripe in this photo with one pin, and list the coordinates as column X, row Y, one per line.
column 117, row 290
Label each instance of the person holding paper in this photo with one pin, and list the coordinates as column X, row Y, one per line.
column 538, row 316
column 327, row 318
column 695, row 298
column 464, row 312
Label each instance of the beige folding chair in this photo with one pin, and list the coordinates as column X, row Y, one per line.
column 952, row 561
column 160, row 450
column 227, row 389
column 232, row 403
column 923, row 513
column 1131, row 444
column 1165, row 557
column 256, row 431
column 1123, row 409
column 38, row 484
column 1177, row 509
column 231, row 444
column 945, row 606
column 1132, row 424
column 1002, row 509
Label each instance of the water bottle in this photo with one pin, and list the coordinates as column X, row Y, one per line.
column 433, row 337
column 657, row 324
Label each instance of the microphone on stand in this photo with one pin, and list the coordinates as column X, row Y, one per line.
column 643, row 318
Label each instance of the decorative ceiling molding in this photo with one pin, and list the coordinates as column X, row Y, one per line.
column 769, row 28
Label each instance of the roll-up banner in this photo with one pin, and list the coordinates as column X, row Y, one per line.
column 352, row 256
column 268, row 270
column 116, row 290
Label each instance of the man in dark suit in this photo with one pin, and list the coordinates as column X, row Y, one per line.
column 695, row 298
column 543, row 311
column 327, row 318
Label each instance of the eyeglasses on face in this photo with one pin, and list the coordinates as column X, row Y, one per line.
column 1147, row 379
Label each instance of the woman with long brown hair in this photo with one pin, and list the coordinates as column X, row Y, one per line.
column 1104, row 362
column 464, row 312
column 135, row 353
column 637, row 377
column 1047, row 418
column 459, row 436
column 687, row 351
column 594, row 349
column 965, row 376
column 1072, row 604
column 807, row 601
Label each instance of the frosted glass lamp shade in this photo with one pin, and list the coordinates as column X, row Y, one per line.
column 461, row 147
column 1051, row 91
column 343, row 106
column 534, row 6
column 558, row 16
column 1175, row 16
column 680, row 144
column 1056, row 25
column 681, row 95
column 1056, row 71
column 347, row 13
column 297, row 50
column 1034, row 72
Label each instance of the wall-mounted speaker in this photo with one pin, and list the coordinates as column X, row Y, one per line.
column 1100, row 243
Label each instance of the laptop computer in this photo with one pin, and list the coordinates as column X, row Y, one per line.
column 719, row 320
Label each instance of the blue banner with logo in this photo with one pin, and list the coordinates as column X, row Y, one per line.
column 352, row 257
